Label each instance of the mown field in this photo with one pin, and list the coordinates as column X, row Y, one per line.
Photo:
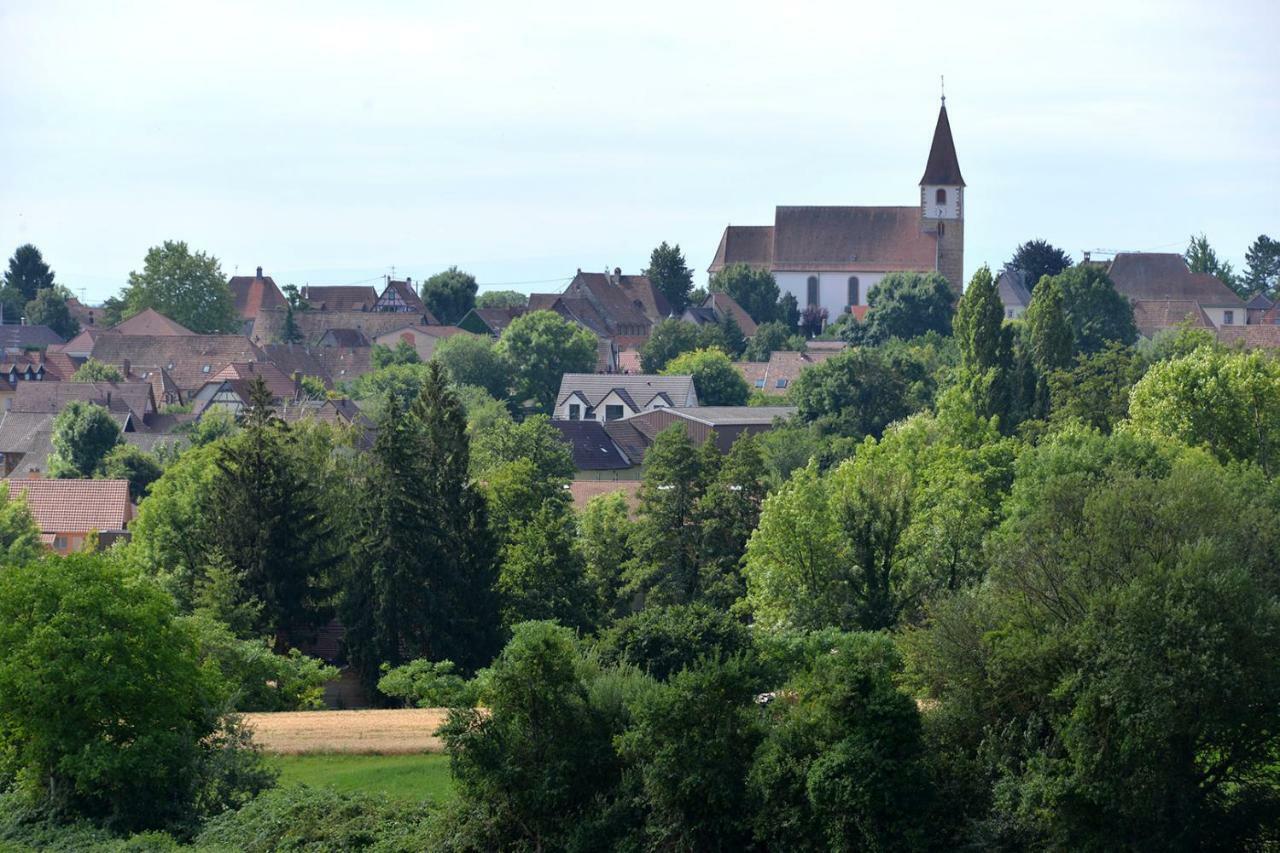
column 406, row 777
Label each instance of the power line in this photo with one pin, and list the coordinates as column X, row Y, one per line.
column 514, row 283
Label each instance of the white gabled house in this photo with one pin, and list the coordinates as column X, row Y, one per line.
column 612, row 397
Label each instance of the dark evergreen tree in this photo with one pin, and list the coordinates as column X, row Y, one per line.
column 423, row 562
column 49, row 308
column 1039, row 258
column 1050, row 348
column 734, row 342
column 28, row 273
column 727, row 514
column 265, row 518
column 984, row 345
column 290, row 333
column 1201, row 257
column 1262, row 266
column 671, row 276
column 1095, row 310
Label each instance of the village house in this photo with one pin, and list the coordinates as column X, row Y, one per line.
column 777, row 375
column 604, row 397
column 228, row 390
column 254, row 293
column 422, row 338
column 830, row 257
column 1014, row 291
column 1160, row 277
column 714, row 308
column 68, row 512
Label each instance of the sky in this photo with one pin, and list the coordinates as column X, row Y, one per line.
column 332, row 142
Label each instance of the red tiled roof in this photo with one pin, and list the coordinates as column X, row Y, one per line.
column 252, row 293
column 851, row 238
column 189, row 359
column 150, row 322
column 1165, row 276
column 1251, row 337
column 583, row 491
column 1153, row 315
column 76, row 506
column 280, row 385
column 341, row 297
column 744, row 244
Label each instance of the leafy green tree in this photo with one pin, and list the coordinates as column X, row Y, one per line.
column 540, row 347
column 49, row 308
column 771, row 337
column 1227, row 402
column 670, row 275
column 543, row 575
column 667, row 537
column 19, row 536
column 403, row 352
column 670, row 338
column 450, row 294
column 1262, row 267
column 691, row 743
column 473, row 360
column 1095, row 390
column 289, row 332
column 843, row 766
column 502, row 299
column 1095, row 309
column 294, row 297
column 95, row 371
column 137, row 741
column 129, row 462
column 1039, row 258
column 28, row 274
column 187, row 287
column 717, row 381
column 533, row 440
column 1201, row 257
column 265, row 516
column 665, row 640
column 483, row 412
column 985, row 354
column 222, row 595
column 421, row 583
column 426, row 684
column 534, row 764
column 755, row 290
column 909, row 304
column 728, row 512
column 83, row 435
column 1110, row 684
column 604, row 531
column 1050, row 340
column 859, row 391
column 400, row 381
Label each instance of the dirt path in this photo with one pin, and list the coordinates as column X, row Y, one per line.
column 368, row 732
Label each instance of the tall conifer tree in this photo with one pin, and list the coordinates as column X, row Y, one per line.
column 1051, row 340
column 984, row 345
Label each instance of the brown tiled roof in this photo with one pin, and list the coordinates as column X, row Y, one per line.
column 1262, row 336
column 943, row 167
column 76, row 506
column 150, row 322
column 189, row 359
column 59, row 365
column 252, row 293
column 582, row 491
column 852, row 239
column 313, row 324
column 22, row 432
column 497, row 319
column 361, row 297
column 744, row 244
column 343, row 364
column 20, row 337
column 296, row 358
column 629, row 361
column 1153, row 315
column 1164, row 276
column 782, row 367
column 52, row 397
column 629, row 300
column 81, row 343
column 576, row 309
column 407, row 296
column 723, row 303
column 344, row 338
column 278, row 383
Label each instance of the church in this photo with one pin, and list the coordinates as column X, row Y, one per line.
column 831, row 257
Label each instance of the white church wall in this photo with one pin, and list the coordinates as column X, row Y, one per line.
column 833, row 288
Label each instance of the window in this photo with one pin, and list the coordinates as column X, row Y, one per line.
column 759, row 383
column 940, row 196
column 782, row 383
column 1008, row 312
column 813, row 290
column 59, row 542
column 575, row 412
column 613, row 413
column 853, row 290
column 591, row 413
column 1228, row 317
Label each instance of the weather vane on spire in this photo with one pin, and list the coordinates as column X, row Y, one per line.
column 942, row 84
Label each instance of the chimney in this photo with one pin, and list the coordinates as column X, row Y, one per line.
column 108, row 400
column 259, row 272
column 124, row 367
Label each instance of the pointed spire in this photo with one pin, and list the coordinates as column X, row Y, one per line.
column 943, row 167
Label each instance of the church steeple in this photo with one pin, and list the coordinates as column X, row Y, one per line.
column 943, row 169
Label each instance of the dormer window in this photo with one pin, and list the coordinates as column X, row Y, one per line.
column 940, row 196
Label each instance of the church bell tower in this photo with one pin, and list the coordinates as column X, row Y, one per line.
column 942, row 202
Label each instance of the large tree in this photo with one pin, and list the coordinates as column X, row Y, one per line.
column 669, row 338
column 450, row 294
column 754, row 289
column 772, row 337
column 860, row 391
column 716, row 380
column 1050, row 340
column 539, row 348
column 473, row 360
column 1262, row 267
column 502, row 299
column 670, row 275
column 19, row 536
column 1039, row 258
column 83, row 435
column 909, row 304
column 186, row 287
column 28, row 274
column 422, row 575
column 984, row 344
column 266, row 518
column 1201, row 257
column 49, row 308
column 1097, row 312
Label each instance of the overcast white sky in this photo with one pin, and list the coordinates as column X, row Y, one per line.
column 330, row 141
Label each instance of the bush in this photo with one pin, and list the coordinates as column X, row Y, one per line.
column 427, row 684
column 663, row 641
column 261, row 679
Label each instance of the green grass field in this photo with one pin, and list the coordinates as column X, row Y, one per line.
column 410, row 777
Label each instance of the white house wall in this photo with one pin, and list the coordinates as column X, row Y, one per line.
column 833, row 288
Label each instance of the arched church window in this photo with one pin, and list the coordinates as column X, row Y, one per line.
column 941, row 196
column 853, row 290
column 813, row 290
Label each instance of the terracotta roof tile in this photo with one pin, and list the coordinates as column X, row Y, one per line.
column 189, row 359
column 744, row 244
column 150, row 322
column 340, row 297
column 851, row 239
column 252, row 293
column 582, row 491
column 76, row 506
column 1164, row 276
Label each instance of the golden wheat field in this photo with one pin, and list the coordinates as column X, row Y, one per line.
column 370, row 732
